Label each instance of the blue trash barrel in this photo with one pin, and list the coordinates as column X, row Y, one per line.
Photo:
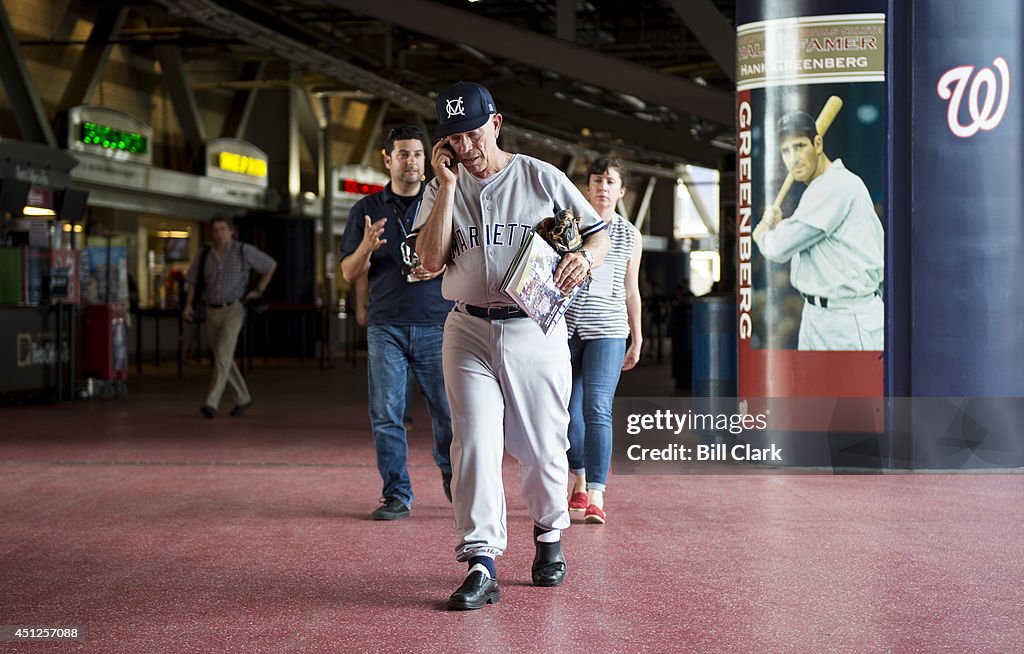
column 714, row 346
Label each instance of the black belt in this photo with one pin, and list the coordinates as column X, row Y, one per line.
column 823, row 301
column 220, row 306
column 494, row 313
column 819, row 301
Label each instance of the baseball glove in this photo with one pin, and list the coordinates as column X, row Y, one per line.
column 562, row 231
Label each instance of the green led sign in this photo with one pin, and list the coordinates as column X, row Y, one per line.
column 113, row 139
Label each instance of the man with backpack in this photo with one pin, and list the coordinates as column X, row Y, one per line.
column 219, row 278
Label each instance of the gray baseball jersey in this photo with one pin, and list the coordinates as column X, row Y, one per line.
column 492, row 218
column 835, row 244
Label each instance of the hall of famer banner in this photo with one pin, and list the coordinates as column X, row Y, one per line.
column 811, row 102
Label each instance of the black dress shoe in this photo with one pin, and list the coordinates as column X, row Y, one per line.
column 241, row 409
column 207, row 411
column 477, row 591
column 446, row 480
column 392, row 509
column 548, row 563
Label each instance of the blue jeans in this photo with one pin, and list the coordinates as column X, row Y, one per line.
column 596, row 366
column 392, row 351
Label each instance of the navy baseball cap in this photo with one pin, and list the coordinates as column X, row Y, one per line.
column 798, row 123
column 462, row 107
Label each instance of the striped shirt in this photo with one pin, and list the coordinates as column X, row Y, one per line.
column 227, row 280
column 600, row 311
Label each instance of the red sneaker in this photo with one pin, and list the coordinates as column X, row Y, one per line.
column 594, row 515
column 578, row 502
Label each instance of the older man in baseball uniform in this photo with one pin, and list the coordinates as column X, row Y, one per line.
column 833, row 241
column 507, row 383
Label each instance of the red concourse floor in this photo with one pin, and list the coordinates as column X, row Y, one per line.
column 156, row 530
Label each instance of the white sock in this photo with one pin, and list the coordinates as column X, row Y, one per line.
column 552, row 536
column 479, row 567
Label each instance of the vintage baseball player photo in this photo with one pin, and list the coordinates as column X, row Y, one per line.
column 817, row 266
column 811, row 161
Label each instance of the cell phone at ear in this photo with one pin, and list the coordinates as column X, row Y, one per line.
column 453, row 159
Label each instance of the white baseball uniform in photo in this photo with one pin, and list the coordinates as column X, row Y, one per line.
column 836, row 249
column 508, row 384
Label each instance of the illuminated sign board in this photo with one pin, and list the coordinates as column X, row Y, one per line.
column 241, row 164
column 355, row 186
column 236, row 160
column 349, row 184
column 109, row 133
column 113, row 138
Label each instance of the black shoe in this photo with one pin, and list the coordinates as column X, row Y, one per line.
column 476, row 592
column 447, row 481
column 240, row 410
column 207, row 411
column 549, row 563
column 393, row 509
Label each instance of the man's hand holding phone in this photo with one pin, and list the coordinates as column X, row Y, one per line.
column 444, row 162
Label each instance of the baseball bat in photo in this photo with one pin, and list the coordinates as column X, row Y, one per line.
column 823, row 122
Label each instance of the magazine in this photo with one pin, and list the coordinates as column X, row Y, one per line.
column 529, row 283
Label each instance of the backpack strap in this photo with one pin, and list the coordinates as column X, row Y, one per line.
column 201, row 274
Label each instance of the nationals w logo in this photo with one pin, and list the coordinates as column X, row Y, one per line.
column 984, row 114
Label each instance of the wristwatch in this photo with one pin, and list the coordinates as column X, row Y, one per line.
column 589, row 257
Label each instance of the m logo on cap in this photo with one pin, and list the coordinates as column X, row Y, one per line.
column 454, row 107
column 462, row 107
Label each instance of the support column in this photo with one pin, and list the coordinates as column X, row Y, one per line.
column 956, row 250
column 328, row 255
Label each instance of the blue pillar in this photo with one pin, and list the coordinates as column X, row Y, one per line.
column 956, row 249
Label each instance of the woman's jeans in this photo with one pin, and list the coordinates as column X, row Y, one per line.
column 596, row 366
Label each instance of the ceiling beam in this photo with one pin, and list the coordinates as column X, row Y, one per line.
column 21, row 93
column 632, row 132
column 175, row 77
column 368, row 84
column 715, row 32
column 550, row 54
column 212, row 15
column 237, row 117
column 365, row 147
column 91, row 62
column 308, row 116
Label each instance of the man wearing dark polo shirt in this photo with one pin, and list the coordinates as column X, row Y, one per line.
column 405, row 320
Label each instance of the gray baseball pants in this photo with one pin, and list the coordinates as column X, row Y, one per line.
column 508, row 386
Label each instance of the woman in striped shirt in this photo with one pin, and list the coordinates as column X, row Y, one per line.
column 599, row 321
